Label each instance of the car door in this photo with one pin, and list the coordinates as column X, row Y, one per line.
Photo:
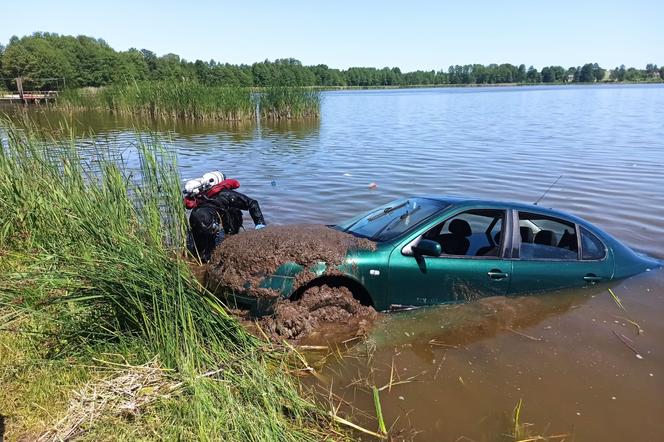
column 556, row 253
column 472, row 264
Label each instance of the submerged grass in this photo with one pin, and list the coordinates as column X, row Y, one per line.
column 89, row 271
column 192, row 100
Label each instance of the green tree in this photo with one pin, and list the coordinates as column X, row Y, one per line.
column 586, row 75
column 598, row 72
column 633, row 74
column 94, row 62
column 553, row 74
column 87, row 61
column 652, row 72
column 618, row 74
column 203, row 72
column 262, row 73
column 151, row 61
column 171, row 67
column 508, row 73
column 2, row 82
column 521, row 74
column 533, row 76
column 131, row 66
column 35, row 58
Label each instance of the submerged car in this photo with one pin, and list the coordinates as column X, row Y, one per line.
column 433, row 250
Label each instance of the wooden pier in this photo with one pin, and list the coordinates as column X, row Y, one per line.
column 28, row 97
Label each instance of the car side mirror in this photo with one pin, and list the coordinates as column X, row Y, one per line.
column 427, row 247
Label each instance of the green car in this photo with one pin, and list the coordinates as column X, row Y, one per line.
column 433, row 250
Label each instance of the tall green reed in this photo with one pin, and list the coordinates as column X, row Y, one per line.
column 192, row 100
column 91, row 251
column 283, row 102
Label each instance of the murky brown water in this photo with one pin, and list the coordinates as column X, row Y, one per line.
column 571, row 357
column 467, row 366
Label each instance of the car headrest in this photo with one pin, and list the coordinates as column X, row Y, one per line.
column 460, row 227
column 545, row 238
column 568, row 241
column 497, row 236
column 526, row 234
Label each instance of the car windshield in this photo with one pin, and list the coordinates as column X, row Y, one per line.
column 391, row 220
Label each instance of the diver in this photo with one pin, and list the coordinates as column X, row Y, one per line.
column 216, row 211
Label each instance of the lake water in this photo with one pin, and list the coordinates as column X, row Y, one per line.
column 464, row 368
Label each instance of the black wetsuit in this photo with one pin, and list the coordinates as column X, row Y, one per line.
column 224, row 210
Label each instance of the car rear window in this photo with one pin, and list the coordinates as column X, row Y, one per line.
column 592, row 248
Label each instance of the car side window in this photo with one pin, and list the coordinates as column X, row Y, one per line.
column 591, row 246
column 477, row 232
column 546, row 237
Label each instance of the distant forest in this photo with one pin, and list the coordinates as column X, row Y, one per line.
column 86, row 61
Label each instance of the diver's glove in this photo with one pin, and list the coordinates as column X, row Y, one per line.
column 260, row 226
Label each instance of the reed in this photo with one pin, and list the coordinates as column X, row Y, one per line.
column 192, row 100
column 282, row 102
column 91, row 265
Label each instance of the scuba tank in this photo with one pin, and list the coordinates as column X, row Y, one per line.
column 214, row 178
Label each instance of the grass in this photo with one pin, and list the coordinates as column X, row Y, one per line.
column 523, row 432
column 192, row 100
column 92, row 286
column 379, row 411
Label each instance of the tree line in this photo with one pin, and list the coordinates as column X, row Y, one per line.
column 43, row 59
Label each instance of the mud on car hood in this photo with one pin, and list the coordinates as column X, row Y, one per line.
column 271, row 262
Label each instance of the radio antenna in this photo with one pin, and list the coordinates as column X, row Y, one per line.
column 547, row 190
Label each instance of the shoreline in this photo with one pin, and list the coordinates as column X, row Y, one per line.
column 258, row 89
column 487, row 85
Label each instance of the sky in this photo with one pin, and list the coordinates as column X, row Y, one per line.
column 420, row 34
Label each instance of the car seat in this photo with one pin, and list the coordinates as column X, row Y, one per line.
column 491, row 250
column 456, row 242
column 568, row 241
column 546, row 238
column 526, row 234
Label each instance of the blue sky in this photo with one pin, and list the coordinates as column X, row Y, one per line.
column 412, row 35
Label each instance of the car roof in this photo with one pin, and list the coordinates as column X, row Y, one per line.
column 458, row 201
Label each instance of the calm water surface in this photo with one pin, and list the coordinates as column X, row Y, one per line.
column 467, row 366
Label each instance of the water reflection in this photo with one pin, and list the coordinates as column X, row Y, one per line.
column 465, row 323
column 84, row 123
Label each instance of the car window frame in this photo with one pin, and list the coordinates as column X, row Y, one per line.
column 506, row 237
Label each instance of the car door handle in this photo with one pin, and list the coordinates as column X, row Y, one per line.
column 497, row 274
column 592, row 278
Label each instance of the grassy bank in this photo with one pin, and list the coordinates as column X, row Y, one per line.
column 105, row 333
column 191, row 100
